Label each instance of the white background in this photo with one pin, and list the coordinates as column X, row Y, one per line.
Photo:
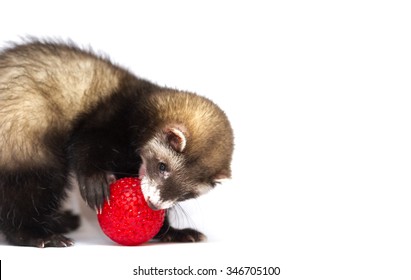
column 318, row 93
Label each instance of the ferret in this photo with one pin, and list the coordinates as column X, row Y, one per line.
column 70, row 117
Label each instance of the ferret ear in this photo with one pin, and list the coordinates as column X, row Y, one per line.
column 176, row 138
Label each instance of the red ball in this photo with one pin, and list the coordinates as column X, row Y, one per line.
column 128, row 220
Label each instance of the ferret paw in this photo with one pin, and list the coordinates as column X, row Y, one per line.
column 55, row 240
column 182, row 235
column 95, row 189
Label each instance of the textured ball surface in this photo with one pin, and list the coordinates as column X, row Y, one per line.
column 128, row 220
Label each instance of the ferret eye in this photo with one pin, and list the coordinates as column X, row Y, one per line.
column 162, row 167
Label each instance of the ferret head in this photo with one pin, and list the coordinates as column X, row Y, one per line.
column 190, row 151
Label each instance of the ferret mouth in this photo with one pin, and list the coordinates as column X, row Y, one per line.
column 152, row 195
column 151, row 205
column 158, row 205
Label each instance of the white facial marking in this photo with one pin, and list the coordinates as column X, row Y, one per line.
column 152, row 194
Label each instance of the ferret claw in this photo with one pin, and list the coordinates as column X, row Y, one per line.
column 54, row 241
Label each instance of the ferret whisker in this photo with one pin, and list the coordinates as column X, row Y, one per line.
column 88, row 122
column 181, row 216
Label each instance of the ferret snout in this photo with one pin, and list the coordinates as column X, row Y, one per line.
column 157, row 205
column 151, row 205
column 152, row 195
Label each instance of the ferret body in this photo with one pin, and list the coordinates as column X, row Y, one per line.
column 70, row 117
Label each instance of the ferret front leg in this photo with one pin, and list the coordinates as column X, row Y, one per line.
column 94, row 187
column 92, row 160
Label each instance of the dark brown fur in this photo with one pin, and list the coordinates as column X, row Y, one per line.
column 70, row 117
